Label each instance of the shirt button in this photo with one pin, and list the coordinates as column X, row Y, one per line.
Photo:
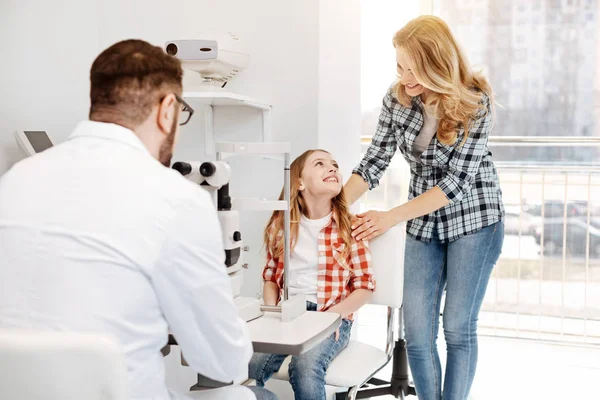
column 321, row 236
column 321, row 253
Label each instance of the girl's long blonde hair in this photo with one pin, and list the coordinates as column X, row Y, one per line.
column 439, row 64
column 273, row 235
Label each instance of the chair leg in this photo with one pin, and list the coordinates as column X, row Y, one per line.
column 399, row 382
column 352, row 393
column 349, row 395
column 399, row 385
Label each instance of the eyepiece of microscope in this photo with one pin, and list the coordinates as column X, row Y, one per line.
column 207, row 169
column 237, row 236
column 183, row 168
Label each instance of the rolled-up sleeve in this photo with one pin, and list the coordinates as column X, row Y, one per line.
column 465, row 160
column 362, row 270
column 269, row 272
column 382, row 148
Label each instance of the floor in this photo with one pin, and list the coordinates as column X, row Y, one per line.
column 508, row 368
column 520, row 369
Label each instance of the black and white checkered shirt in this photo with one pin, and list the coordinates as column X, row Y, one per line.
column 465, row 173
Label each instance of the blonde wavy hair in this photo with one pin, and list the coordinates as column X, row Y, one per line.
column 273, row 235
column 439, row 64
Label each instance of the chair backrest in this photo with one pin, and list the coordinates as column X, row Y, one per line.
column 39, row 365
column 387, row 255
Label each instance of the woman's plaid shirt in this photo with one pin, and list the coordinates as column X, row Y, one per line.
column 465, row 173
column 337, row 277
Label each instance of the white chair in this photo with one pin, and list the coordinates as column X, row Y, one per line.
column 39, row 365
column 356, row 365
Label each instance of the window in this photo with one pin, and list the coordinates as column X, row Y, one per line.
column 380, row 20
column 568, row 71
column 541, row 57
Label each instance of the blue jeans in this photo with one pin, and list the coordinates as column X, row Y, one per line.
column 463, row 268
column 307, row 371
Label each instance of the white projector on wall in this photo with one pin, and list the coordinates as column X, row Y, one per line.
column 217, row 58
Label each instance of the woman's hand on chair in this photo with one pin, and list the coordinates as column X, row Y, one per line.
column 371, row 224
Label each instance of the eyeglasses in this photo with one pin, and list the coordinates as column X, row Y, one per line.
column 186, row 111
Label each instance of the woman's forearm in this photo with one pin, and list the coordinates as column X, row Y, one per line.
column 270, row 293
column 354, row 188
column 430, row 201
column 352, row 303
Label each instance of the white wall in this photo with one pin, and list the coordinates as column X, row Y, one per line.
column 46, row 56
column 305, row 61
column 49, row 53
column 48, row 47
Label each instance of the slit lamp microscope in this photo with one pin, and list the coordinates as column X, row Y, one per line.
column 214, row 176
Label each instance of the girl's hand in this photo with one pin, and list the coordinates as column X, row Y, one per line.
column 371, row 224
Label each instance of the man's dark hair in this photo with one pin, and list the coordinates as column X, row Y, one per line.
column 128, row 79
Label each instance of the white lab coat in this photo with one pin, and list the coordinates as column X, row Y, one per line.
column 97, row 236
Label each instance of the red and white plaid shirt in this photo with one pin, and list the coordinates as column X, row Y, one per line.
column 337, row 278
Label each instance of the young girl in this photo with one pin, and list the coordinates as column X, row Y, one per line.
column 330, row 268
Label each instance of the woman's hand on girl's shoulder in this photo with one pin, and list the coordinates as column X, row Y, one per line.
column 371, row 224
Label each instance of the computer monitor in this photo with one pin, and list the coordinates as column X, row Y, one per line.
column 32, row 142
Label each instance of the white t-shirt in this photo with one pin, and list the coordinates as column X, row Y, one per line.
column 304, row 260
column 428, row 131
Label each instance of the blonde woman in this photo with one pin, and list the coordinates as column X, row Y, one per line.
column 439, row 115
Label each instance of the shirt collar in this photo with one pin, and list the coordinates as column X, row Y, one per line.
column 109, row 131
column 417, row 101
column 333, row 224
column 326, row 220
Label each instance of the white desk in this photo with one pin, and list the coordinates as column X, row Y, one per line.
column 270, row 335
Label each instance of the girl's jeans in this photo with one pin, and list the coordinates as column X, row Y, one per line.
column 307, row 371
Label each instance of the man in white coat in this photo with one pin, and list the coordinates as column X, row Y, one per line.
column 97, row 234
